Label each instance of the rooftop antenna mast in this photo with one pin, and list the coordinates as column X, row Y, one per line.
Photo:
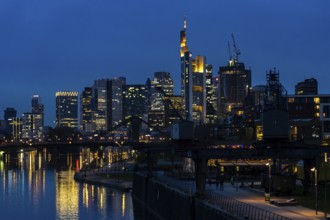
column 229, row 51
column 237, row 51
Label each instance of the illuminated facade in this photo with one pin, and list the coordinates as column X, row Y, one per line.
column 235, row 82
column 38, row 107
column 108, row 96
column 211, row 99
column 134, row 103
column 198, row 89
column 186, row 73
column 67, row 109
column 16, row 124
column 32, row 126
column 86, row 106
column 161, row 87
column 313, row 110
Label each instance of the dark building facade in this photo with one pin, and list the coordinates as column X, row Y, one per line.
column 307, row 87
column 235, row 82
column 9, row 114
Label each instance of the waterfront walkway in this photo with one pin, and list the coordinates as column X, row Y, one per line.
column 245, row 195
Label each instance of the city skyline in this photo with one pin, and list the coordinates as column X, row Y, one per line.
column 66, row 46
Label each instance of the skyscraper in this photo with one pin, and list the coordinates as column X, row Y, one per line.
column 108, row 96
column 235, row 82
column 186, row 73
column 32, row 126
column 161, row 87
column 134, row 100
column 67, row 109
column 211, row 99
column 86, row 106
column 38, row 107
column 198, row 90
column 9, row 114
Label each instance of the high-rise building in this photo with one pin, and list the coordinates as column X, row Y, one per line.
column 161, row 87
column 38, row 107
column 211, row 99
column 9, row 114
column 186, row 73
column 117, row 85
column 235, row 82
column 86, row 106
column 307, row 87
column 108, row 96
column 32, row 126
column 134, row 100
column 67, row 109
column 16, row 124
column 198, row 89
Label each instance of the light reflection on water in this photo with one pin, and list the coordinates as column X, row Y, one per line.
column 31, row 189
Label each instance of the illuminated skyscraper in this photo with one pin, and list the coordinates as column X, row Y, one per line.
column 38, row 107
column 161, row 87
column 86, row 106
column 198, row 90
column 32, row 126
column 186, row 73
column 108, row 96
column 235, row 82
column 67, row 109
column 134, row 97
column 211, row 99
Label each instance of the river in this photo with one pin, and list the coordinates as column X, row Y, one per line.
column 32, row 186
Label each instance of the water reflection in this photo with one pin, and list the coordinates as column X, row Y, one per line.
column 39, row 184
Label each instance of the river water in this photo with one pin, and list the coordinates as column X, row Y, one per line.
column 32, row 186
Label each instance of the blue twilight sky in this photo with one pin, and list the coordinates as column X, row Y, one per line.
column 54, row 45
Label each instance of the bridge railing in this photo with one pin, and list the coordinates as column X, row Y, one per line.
column 242, row 209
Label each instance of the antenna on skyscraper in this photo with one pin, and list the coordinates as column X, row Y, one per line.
column 229, row 51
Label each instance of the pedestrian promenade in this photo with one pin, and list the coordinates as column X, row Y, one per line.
column 256, row 198
column 247, row 195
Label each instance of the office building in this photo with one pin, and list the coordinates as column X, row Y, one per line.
column 307, row 87
column 134, row 100
column 9, row 114
column 86, row 106
column 161, row 87
column 235, row 81
column 186, row 73
column 67, row 109
column 32, row 126
column 38, row 107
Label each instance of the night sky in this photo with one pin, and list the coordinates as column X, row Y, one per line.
column 48, row 46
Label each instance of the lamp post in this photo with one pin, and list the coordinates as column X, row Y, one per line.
column 269, row 177
column 315, row 184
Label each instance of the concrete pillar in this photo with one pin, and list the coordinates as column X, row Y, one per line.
column 200, row 175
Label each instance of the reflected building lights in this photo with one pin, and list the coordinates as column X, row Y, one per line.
column 123, row 203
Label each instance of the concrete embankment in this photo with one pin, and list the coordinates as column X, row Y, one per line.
column 166, row 199
column 96, row 179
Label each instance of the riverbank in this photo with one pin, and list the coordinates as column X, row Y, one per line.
column 103, row 180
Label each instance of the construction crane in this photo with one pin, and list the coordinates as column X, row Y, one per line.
column 237, row 51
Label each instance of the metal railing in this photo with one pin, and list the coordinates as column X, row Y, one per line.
column 242, row 209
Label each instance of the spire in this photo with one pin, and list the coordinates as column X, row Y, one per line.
column 185, row 23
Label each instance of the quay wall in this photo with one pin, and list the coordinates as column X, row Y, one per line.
column 166, row 202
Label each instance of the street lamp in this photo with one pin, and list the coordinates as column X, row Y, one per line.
column 269, row 177
column 315, row 184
